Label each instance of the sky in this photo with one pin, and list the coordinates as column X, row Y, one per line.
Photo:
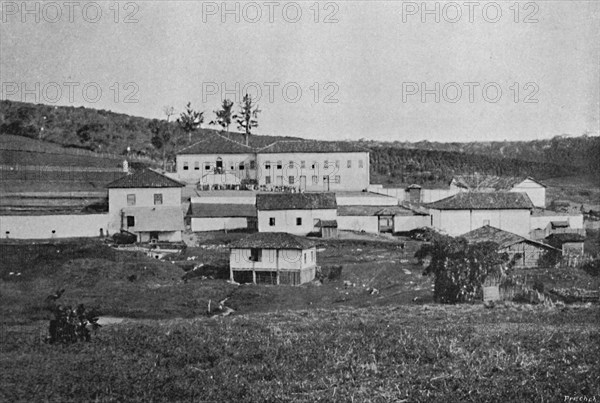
column 381, row 70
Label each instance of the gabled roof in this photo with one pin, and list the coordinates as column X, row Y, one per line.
column 272, row 240
column 295, row 201
column 159, row 218
column 503, row 238
column 311, row 146
column 373, row 211
column 200, row 210
column 558, row 239
column 478, row 182
column 483, row 201
column 216, row 144
column 145, row 179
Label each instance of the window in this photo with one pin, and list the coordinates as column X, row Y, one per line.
column 158, row 198
column 186, row 166
column 291, row 165
column 196, row 166
column 207, row 167
column 291, row 180
column 337, row 179
column 349, row 164
column 312, row 255
column 337, row 164
column 360, row 163
column 298, row 220
column 271, row 221
column 279, row 166
column 267, row 180
column 241, row 166
column 131, row 200
column 315, row 179
column 314, row 165
column 252, row 164
column 255, row 255
column 130, row 221
column 326, row 164
column 302, row 164
column 267, row 165
column 305, row 258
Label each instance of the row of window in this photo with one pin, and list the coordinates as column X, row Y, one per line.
column 315, row 179
column 256, row 255
column 298, row 221
column 279, row 165
column 158, row 199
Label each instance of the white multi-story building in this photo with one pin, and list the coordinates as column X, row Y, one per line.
column 219, row 162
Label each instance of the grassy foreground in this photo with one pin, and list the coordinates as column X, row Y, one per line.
column 403, row 353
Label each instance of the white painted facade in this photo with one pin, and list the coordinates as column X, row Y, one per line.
column 315, row 171
column 225, row 198
column 54, row 226
column 403, row 223
column 535, row 191
column 458, row 222
column 287, row 220
column 199, row 224
column 144, row 197
column 368, row 224
column 200, row 168
column 541, row 222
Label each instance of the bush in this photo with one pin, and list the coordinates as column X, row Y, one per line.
column 331, row 273
column 592, row 267
column 70, row 325
column 550, row 258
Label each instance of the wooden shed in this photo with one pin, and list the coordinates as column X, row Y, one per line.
column 328, row 228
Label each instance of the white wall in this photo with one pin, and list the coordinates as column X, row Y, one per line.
column 144, row 197
column 353, row 178
column 272, row 259
column 65, row 226
column 193, row 175
column 164, row 236
column 225, row 199
column 407, row 223
column 218, row 223
column 535, row 191
column 458, row 222
column 285, row 220
column 358, row 223
column 427, row 195
column 541, row 222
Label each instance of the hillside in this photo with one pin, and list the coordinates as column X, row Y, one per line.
column 392, row 163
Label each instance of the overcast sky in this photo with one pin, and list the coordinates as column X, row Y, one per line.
column 326, row 70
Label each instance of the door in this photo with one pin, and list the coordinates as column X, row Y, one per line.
column 153, row 236
column 302, row 182
column 279, row 181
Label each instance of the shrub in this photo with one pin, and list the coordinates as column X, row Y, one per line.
column 330, row 273
column 550, row 258
column 460, row 268
column 592, row 267
column 70, row 325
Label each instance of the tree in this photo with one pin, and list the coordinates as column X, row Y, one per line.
column 190, row 120
column 161, row 137
column 460, row 268
column 224, row 115
column 246, row 119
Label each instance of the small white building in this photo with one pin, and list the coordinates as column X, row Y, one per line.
column 148, row 204
column 378, row 219
column 273, row 258
column 535, row 189
column 294, row 213
column 466, row 211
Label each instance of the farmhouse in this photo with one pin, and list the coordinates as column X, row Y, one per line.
column 295, row 213
column 466, row 211
column 525, row 253
column 216, row 216
column 487, row 183
column 273, row 258
column 147, row 204
column 218, row 162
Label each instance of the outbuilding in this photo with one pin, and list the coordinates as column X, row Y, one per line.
column 273, row 258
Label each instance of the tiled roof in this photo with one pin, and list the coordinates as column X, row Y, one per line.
column 327, row 224
column 216, row 144
column 558, row 239
column 272, row 240
column 199, row 210
column 159, row 218
column 373, row 210
column 311, row 146
column 483, row 201
column 503, row 238
column 478, row 182
column 145, row 179
column 295, row 201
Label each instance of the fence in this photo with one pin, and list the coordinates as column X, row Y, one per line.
column 61, row 174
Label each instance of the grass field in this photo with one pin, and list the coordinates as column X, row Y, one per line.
column 326, row 342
